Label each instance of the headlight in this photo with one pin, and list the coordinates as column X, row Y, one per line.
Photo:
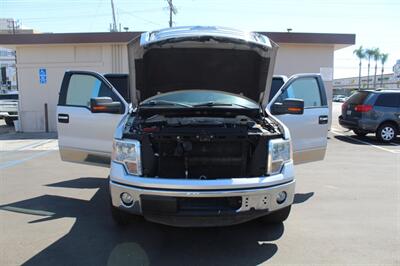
column 127, row 152
column 279, row 152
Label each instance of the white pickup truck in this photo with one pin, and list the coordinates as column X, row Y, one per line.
column 9, row 107
column 191, row 134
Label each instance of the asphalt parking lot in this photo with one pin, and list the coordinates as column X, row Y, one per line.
column 346, row 211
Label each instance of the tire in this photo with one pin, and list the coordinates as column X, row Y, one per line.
column 386, row 132
column 360, row 133
column 9, row 121
column 277, row 216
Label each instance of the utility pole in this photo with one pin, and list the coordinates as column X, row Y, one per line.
column 172, row 10
column 13, row 26
column 114, row 27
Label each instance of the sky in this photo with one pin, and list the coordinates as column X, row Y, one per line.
column 375, row 23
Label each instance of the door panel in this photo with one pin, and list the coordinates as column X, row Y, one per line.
column 309, row 130
column 86, row 137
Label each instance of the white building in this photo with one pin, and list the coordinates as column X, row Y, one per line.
column 346, row 86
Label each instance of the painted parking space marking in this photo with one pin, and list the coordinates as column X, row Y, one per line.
column 20, row 161
column 341, row 133
column 10, row 148
column 27, row 211
column 12, row 145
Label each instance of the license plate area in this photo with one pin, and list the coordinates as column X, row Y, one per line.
column 151, row 204
column 348, row 112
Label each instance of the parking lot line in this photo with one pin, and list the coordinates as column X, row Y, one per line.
column 337, row 132
column 27, row 211
column 16, row 162
column 9, row 148
column 32, row 145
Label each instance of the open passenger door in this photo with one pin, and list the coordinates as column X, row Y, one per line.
column 88, row 111
column 309, row 130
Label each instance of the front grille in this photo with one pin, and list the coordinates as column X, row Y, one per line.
column 205, row 160
column 181, row 205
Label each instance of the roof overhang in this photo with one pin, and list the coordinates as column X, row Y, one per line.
column 6, row 40
column 67, row 38
column 338, row 40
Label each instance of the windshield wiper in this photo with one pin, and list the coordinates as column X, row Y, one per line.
column 212, row 104
column 162, row 102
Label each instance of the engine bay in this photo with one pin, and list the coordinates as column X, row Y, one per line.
column 202, row 145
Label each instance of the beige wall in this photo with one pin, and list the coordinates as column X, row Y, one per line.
column 56, row 59
column 112, row 58
column 305, row 58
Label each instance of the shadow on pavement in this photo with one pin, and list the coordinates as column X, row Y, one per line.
column 95, row 240
column 4, row 129
column 12, row 135
column 352, row 139
column 302, row 197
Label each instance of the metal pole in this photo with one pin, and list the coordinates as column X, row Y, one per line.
column 113, row 14
column 171, row 10
column 170, row 18
column 46, row 118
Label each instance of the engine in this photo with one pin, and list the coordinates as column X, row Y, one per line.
column 202, row 147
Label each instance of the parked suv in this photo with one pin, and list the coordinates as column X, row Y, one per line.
column 373, row 111
column 196, row 140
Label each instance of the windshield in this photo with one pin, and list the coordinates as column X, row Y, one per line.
column 203, row 98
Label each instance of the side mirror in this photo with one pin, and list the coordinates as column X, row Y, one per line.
column 104, row 105
column 289, row 106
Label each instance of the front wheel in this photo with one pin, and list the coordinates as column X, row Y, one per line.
column 386, row 132
column 278, row 216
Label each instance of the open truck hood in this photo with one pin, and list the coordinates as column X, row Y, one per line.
column 210, row 58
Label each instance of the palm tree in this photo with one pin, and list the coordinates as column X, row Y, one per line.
column 384, row 58
column 376, row 56
column 360, row 53
column 369, row 53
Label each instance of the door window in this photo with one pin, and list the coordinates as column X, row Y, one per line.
column 277, row 83
column 388, row 100
column 306, row 89
column 83, row 87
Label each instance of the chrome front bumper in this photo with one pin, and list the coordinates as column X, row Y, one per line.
column 258, row 195
column 6, row 114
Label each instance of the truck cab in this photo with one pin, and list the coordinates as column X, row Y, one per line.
column 192, row 134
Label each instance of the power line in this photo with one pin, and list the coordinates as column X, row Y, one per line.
column 141, row 18
column 96, row 14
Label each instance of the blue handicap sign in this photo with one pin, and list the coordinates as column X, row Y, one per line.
column 42, row 76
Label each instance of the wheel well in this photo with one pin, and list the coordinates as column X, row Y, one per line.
column 390, row 122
